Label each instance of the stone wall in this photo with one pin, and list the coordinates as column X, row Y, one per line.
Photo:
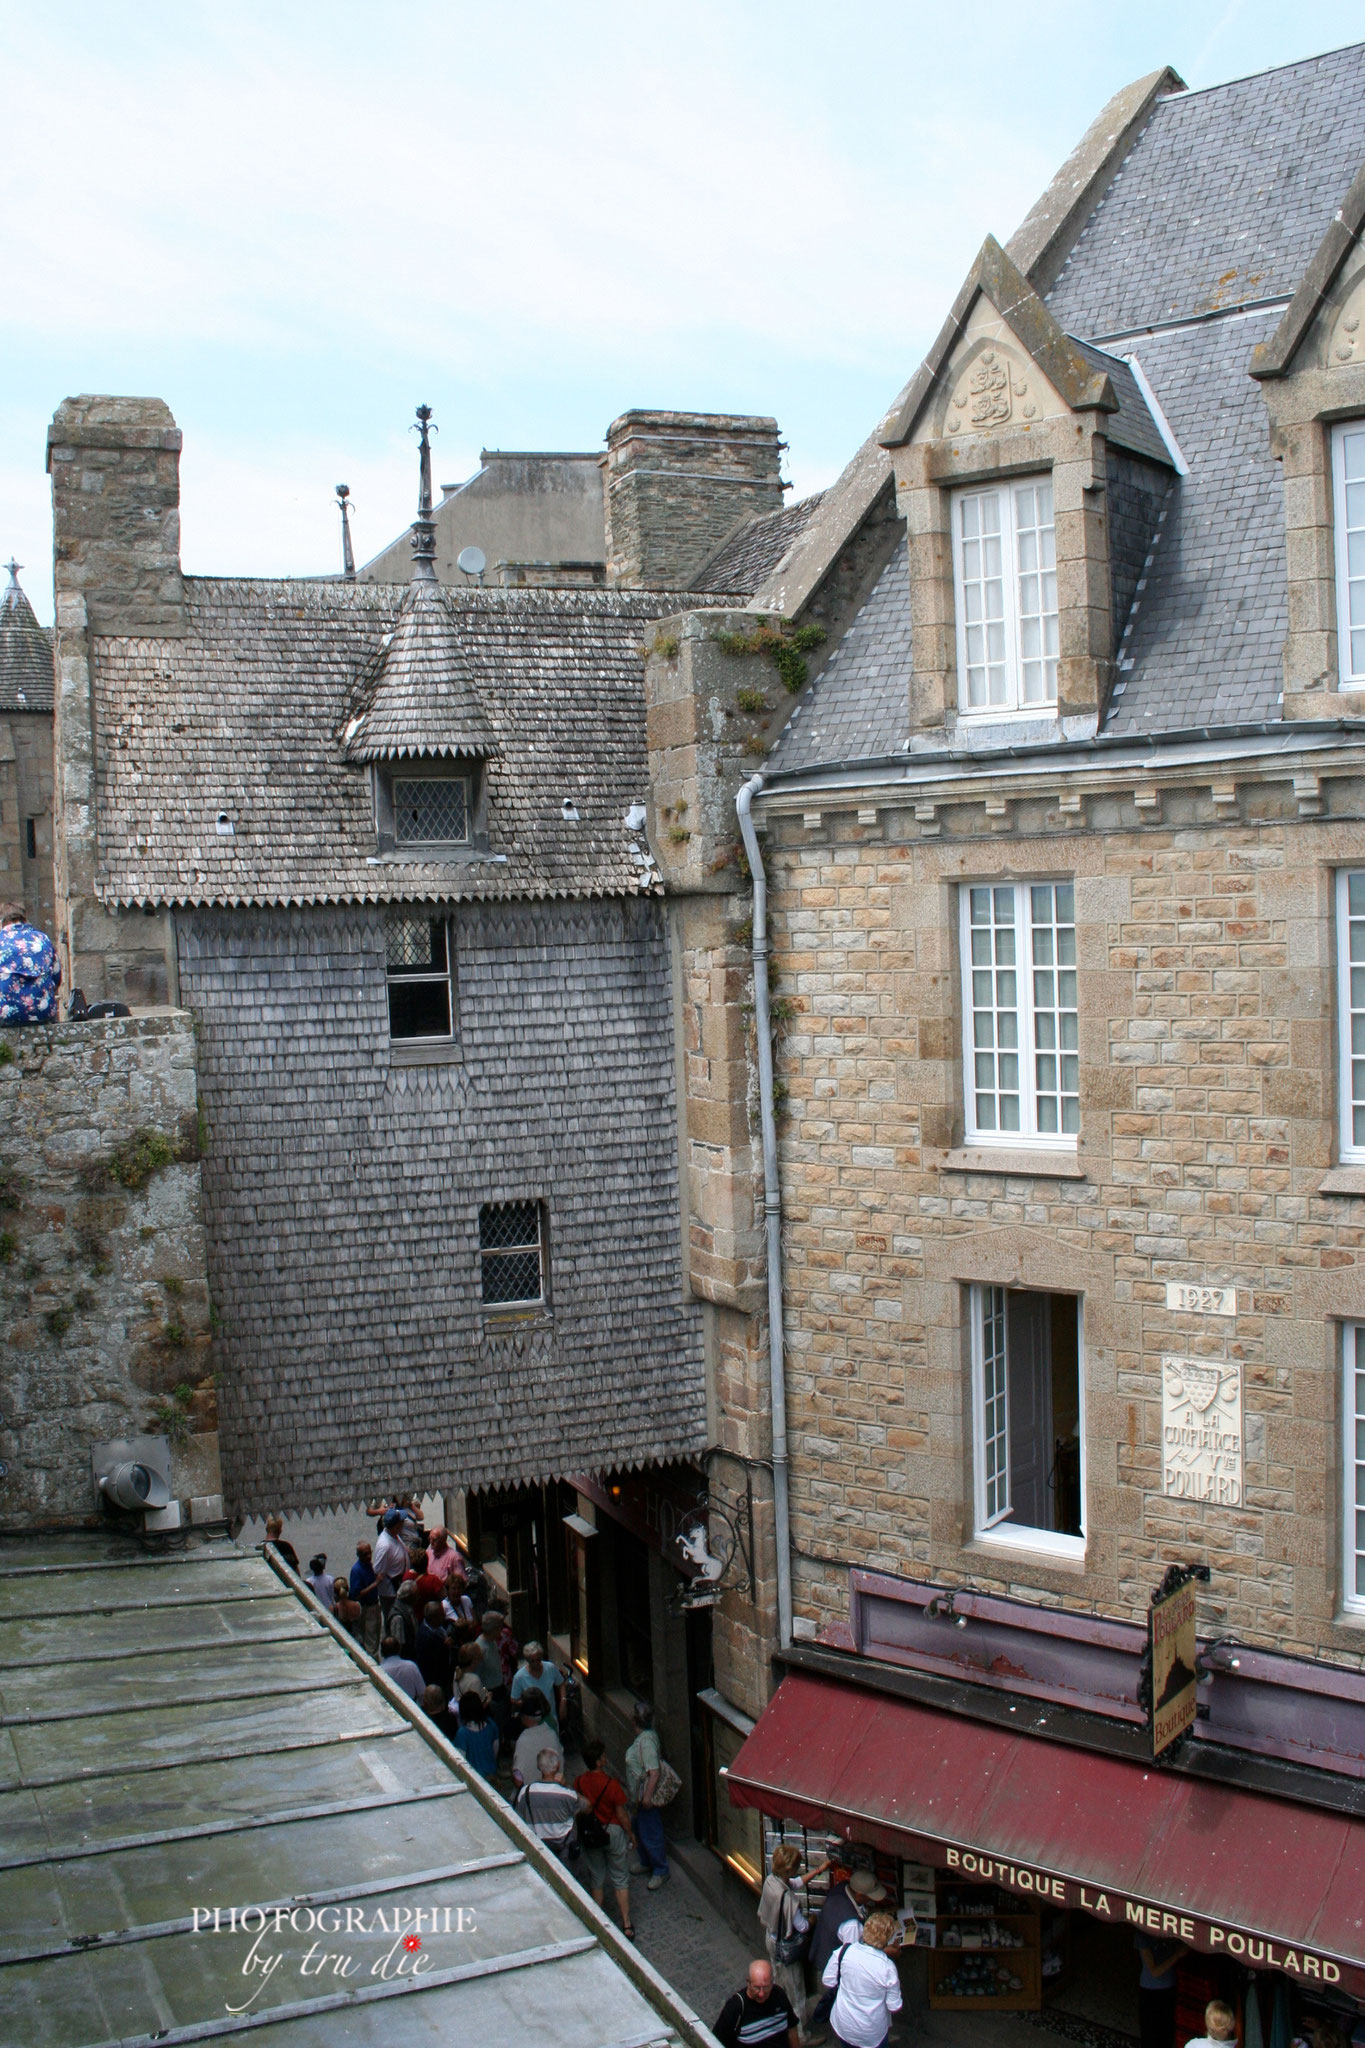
column 31, row 735
column 104, row 1306
column 677, row 484
column 343, row 1195
column 1206, row 952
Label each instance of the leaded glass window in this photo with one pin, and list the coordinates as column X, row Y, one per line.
column 512, row 1253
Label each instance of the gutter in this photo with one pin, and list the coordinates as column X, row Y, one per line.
column 772, row 1213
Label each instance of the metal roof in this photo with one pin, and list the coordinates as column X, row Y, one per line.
column 188, row 1732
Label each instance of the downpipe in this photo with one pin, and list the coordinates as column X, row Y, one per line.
column 772, row 1213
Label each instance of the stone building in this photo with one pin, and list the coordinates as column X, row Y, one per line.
column 383, row 843
column 25, row 756
column 1065, row 868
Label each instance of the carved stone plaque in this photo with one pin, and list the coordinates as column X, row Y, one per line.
column 1201, row 1431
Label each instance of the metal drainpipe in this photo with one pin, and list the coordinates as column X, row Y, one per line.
column 772, row 1211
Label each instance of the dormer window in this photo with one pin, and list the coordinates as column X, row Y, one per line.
column 1348, row 481
column 430, row 810
column 1005, row 590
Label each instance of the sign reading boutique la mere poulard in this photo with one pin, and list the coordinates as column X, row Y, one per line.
column 1174, row 1678
column 1214, row 1937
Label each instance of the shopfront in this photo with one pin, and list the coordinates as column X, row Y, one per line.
column 1030, row 1872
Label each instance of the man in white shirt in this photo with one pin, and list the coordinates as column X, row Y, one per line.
column 866, row 1986
column 390, row 1560
column 549, row 1804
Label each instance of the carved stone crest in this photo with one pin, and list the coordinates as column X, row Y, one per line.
column 989, row 392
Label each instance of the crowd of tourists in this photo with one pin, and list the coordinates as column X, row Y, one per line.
column 432, row 1622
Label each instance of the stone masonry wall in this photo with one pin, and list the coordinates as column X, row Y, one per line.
column 1206, row 984
column 104, row 1308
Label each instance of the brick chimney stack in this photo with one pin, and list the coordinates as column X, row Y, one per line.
column 677, row 484
column 115, row 469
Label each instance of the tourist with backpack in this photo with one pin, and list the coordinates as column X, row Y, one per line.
column 604, row 1833
column 652, row 1784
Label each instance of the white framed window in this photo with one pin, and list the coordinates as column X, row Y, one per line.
column 512, row 1262
column 1028, row 1426
column 419, row 964
column 430, row 810
column 1353, row 1469
column 1348, row 495
column 1005, row 596
column 1019, row 1019
column 1351, row 1015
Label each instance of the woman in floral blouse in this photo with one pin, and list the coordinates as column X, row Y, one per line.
column 29, row 971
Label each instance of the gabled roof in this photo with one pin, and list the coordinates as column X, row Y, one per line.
column 1272, row 358
column 25, row 652
column 755, row 549
column 1222, row 200
column 417, row 695
column 1083, row 382
column 243, row 718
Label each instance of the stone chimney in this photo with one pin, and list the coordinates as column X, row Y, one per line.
column 115, row 469
column 676, row 485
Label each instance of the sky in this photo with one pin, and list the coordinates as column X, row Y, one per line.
column 294, row 223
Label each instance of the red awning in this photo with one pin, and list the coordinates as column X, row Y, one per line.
column 1231, row 1872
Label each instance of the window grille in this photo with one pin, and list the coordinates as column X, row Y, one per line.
column 430, row 810
column 1351, row 1012
column 1020, row 1020
column 512, row 1253
column 1005, row 588
column 1353, row 1477
column 994, row 1405
column 1348, row 480
column 421, row 983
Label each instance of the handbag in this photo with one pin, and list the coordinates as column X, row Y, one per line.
column 667, row 1785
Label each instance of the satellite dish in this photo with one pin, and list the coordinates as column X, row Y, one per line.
column 473, row 561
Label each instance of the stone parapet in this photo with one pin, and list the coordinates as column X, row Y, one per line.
column 105, row 1320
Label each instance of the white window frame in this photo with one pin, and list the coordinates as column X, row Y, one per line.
column 1348, row 677
column 524, row 1301
column 1015, row 704
column 989, row 1527
column 1352, row 1465
column 1028, row 1137
column 1348, row 1151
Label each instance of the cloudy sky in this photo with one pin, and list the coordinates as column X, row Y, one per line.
column 293, row 222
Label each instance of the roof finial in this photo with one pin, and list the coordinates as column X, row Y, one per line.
column 14, row 568
column 424, row 526
column 347, row 554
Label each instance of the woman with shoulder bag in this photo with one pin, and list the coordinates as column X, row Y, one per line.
column 786, row 1930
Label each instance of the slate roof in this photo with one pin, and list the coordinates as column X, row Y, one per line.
column 1221, row 203
column 417, row 696
column 742, row 562
column 25, row 653
column 859, row 707
column 245, row 715
column 1223, row 198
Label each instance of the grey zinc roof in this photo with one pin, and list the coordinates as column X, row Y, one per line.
column 25, row 654
column 245, row 716
column 1223, row 199
column 743, row 561
column 1208, row 627
column 859, row 706
column 417, row 696
column 186, row 1732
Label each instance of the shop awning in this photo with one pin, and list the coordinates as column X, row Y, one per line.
column 1231, row 1872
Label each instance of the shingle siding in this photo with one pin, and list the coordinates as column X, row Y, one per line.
column 1135, row 491
column 860, row 705
column 342, row 1198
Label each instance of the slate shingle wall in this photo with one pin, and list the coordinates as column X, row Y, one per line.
column 342, row 1199
column 860, row 705
column 1136, row 492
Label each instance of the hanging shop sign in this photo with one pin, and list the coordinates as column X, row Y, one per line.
column 1201, row 1431
column 1175, row 1679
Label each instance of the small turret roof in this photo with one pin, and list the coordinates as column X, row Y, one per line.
column 417, row 694
column 25, row 651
